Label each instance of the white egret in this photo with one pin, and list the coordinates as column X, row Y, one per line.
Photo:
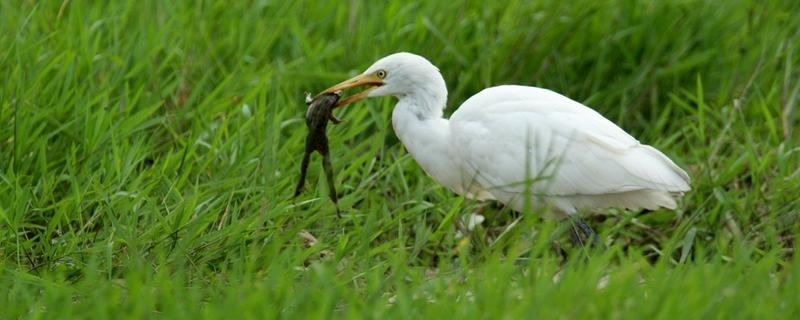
column 519, row 144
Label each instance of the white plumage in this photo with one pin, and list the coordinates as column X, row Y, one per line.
column 519, row 143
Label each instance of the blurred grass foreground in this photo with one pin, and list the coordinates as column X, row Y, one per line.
column 149, row 150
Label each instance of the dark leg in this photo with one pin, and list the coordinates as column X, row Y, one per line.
column 579, row 226
column 303, row 170
column 326, row 165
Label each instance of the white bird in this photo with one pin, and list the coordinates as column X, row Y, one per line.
column 519, row 144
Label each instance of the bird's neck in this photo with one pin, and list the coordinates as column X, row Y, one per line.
column 417, row 120
column 427, row 101
column 420, row 113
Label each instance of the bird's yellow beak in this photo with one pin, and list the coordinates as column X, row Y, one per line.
column 370, row 81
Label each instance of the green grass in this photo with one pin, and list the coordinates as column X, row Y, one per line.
column 133, row 183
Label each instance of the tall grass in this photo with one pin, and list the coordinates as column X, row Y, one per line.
column 149, row 151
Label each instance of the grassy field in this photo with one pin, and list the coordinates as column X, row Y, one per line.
column 149, row 151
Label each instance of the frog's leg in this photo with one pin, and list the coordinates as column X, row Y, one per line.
column 326, row 165
column 303, row 170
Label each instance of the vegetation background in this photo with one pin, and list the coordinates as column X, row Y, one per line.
column 149, row 150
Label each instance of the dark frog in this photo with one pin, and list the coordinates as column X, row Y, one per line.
column 320, row 111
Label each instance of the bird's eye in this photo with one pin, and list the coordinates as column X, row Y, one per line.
column 381, row 74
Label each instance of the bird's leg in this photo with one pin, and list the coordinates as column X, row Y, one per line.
column 579, row 226
column 326, row 165
column 303, row 170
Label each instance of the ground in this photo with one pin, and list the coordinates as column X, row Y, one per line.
column 150, row 150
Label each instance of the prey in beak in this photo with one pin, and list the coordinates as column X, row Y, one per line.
column 317, row 117
column 369, row 81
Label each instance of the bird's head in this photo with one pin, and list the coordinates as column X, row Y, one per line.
column 398, row 74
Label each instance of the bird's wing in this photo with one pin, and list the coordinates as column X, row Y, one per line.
column 570, row 149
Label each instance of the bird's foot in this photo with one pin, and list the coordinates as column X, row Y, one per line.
column 589, row 236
